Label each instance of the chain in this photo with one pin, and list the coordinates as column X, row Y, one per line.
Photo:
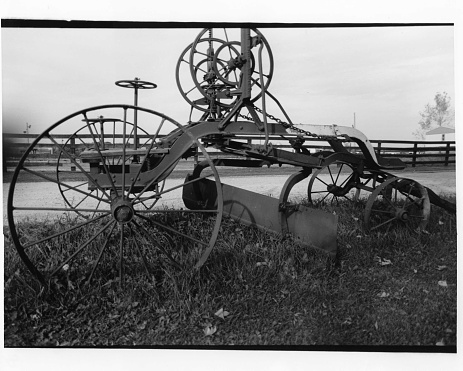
column 279, row 121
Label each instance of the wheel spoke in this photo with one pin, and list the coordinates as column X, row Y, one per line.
column 314, row 192
column 381, row 211
column 153, row 141
column 321, row 201
column 183, row 211
column 100, row 255
column 172, row 230
column 331, row 174
column 321, row 180
column 26, row 246
column 339, row 173
column 384, row 223
column 124, row 133
column 68, row 187
column 346, row 180
column 121, row 255
column 74, row 187
column 17, row 208
column 347, row 198
column 77, row 165
column 82, row 247
column 97, row 147
column 156, row 243
column 145, row 263
column 136, row 199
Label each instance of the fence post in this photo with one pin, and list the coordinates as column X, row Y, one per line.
column 378, row 149
column 73, row 151
column 447, row 154
column 415, row 150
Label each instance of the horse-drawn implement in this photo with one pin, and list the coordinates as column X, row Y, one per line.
column 124, row 174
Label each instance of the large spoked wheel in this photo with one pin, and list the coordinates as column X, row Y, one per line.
column 332, row 183
column 122, row 210
column 397, row 201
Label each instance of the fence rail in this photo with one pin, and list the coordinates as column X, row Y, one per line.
column 414, row 153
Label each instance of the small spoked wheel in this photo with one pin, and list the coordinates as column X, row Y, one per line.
column 397, row 201
column 208, row 72
column 103, row 127
column 106, row 201
column 222, row 49
column 332, row 183
column 136, row 84
column 201, row 96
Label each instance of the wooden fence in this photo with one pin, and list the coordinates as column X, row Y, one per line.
column 414, row 153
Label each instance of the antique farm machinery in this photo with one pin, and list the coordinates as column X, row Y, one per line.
column 124, row 191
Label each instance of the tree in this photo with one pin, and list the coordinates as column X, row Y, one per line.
column 438, row 114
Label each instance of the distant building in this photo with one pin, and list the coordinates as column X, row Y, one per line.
column 444, row 133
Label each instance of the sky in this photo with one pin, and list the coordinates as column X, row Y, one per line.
column 383, row 75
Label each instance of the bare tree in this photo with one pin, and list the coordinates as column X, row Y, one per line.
column 433, row 116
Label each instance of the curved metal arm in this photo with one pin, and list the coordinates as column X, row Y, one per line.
column 336, row 131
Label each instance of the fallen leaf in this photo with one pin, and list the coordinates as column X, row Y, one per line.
column 348, row 321
column 441, row 222
column 383, row 295
column 441, row 267
column 442, row 283
column 383, row 261
column 209, row 331
column 221, row 313
column 415, row 271
column 440, row 342
column 142, row 326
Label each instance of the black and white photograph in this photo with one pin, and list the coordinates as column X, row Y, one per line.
column 267, row 188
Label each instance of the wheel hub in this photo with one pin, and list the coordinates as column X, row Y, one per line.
column 336, row 190
column 122, row 210
column 402, row 215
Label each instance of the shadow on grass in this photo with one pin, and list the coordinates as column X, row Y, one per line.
column 393, row 289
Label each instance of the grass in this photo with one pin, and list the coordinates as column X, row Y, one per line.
column 392, row 289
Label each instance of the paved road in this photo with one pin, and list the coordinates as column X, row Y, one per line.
column 40, row 194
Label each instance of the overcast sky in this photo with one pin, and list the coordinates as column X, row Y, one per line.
column 385, row 75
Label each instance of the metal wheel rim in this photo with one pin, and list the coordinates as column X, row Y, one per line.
column 333, row 177
column 393, row 215
column 126, row 230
